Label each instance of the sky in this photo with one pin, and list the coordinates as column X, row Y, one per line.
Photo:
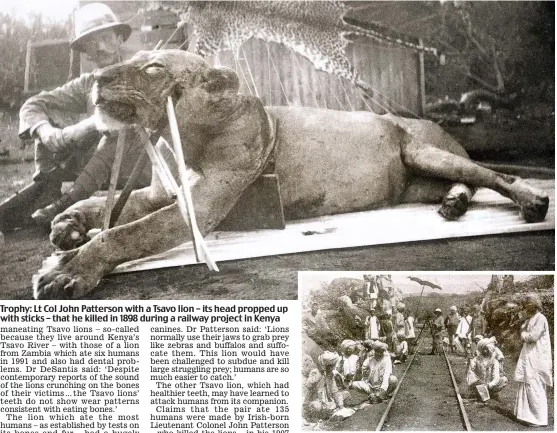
column 54, row 10
column 451, row 283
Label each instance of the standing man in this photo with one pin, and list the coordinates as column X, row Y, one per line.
column 478, row 325
column 410, row 333
column 464, row 330
column 372, row 326
column 370, row 290
column 399, row 321
column 534, row 366
column 451, row 323
column 386, row 331
column 437, row 330
column 66, row 151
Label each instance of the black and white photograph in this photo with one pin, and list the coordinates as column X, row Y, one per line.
column 429, row 352
column 211, row 150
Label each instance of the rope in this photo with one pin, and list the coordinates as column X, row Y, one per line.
column 367, row 104
column 269, row 74
column 293, row 54
column 347, row 96
column 332, row 92
column 178, row 27
column 280, row 81
column 250, row 74
column 239, row 67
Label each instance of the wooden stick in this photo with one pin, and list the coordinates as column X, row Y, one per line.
column 158, row 167
column 128, row 188
column 179, row 195
column 173, row 190
column 120, row 144
column 177, row 144
column 197, row 238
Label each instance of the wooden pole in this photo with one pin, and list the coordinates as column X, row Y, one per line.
column 173, row 190
column 182, row 171
column 120, row 144
column 198, row 242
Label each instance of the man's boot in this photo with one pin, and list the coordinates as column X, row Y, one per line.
column 44, row 216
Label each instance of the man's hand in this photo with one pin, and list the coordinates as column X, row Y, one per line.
column 80, row 131
column 56, row 139
column 51, row 137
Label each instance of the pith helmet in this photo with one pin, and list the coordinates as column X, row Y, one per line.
column 94, row 17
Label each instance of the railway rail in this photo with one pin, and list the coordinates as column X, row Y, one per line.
column 397, row 416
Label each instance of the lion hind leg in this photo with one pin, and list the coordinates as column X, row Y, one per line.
column 439, row 163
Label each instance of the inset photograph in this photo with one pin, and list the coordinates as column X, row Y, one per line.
column 412, row 351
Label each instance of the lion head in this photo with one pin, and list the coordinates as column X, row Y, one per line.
column 136, row 91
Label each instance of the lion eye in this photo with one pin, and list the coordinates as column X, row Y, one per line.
column 154, row 69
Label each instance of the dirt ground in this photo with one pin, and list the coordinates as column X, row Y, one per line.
column 426, row 401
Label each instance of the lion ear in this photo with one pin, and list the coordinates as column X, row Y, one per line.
column 217, row 80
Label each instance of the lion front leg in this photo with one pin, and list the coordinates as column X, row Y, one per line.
column 74, row 273
column 70, row 229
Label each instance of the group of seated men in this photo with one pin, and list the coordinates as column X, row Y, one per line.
column 364, row 366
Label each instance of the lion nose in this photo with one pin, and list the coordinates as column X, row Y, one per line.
column 106, row 75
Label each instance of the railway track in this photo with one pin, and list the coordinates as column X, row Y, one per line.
column 439, row 404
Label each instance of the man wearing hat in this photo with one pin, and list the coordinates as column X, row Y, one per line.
column 484, row 369
column 399, row 321
column 65, row 150
column 349, row 361
column 380, row 382
column 372, row 326
column 332, row 395
column 437, row 330
column 534, row 369
column 310, row 316
column 464, row 331
column 451, row 323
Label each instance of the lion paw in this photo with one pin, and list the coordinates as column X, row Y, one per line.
column 454, row 206
column 533, row 202
column 57, row 280
column 69, row 230
column 535, row 210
